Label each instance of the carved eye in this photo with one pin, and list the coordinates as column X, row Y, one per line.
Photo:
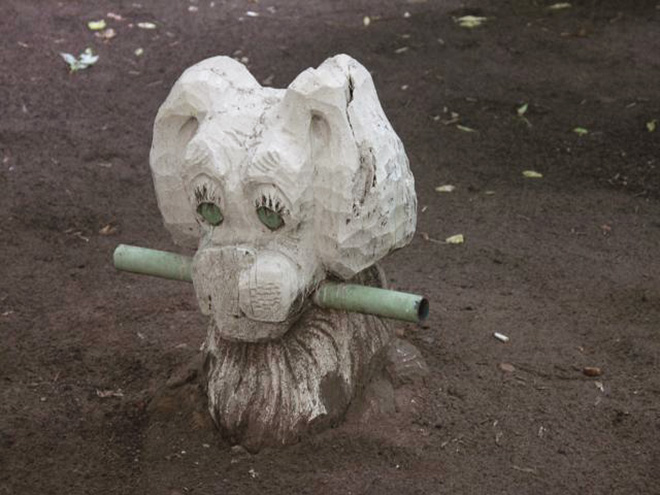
column 270, row 218
column 211, row 213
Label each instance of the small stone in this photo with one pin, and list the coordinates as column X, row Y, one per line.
column 507, row 367
column 405, row 363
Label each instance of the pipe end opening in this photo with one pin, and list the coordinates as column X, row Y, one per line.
column 423, row 309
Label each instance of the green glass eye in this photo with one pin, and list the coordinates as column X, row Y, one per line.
column 211, row 213
column 270, row 218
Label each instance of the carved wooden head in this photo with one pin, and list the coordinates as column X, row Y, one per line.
column 278, row 188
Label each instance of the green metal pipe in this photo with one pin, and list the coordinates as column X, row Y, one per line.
column 332, row 295
column 153, row 262
column 372, row 301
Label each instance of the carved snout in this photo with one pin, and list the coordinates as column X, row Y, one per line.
column 238, row 283
column 269, row 288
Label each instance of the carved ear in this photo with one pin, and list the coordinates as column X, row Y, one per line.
column 216, row 79
column 365, row 199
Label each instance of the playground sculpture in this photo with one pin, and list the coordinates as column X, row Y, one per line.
column 290, row 197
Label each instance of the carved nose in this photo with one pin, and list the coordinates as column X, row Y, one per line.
column 236, row 281
column 269, row 288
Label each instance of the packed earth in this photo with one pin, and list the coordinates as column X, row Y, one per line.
column 533, row 132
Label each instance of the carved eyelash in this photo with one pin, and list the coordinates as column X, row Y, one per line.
column 271, row 202
column 205, row 193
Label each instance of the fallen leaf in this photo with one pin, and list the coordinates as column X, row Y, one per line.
column 106, row 34
column 366, row 20
column 455, row 239
column 108, row 230
column 465, row 128
column 560, row 6
column 651, row 125
column 403, row 49
column 592, row 371
column 580, row 131
column 70, row 59
column 193, row 8
column 531, row 174
column 600, row 386
column 470, row 21
column 113, row 16
column 489, row 193
column 96, row 25
column 146, row 25
column 84, row 60
column 446, row 188
column 501, row 337
column 251, row 13
column 521, row 110
column 138, row 52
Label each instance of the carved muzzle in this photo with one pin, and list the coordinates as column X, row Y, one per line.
column 250, row 294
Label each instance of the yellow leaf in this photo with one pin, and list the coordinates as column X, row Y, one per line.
column 471, row 21
column 580, row 131
column 447, row 188
column 531, row 174
column 455, row 239
column 651, row 126
column 96, row 25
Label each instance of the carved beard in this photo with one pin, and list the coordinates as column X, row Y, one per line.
column 272, row 393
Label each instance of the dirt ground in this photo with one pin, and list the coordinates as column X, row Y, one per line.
column 566, row 265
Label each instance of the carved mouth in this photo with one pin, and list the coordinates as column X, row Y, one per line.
column 241, row 328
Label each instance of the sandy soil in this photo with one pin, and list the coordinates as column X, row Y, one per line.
column 566, row 265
